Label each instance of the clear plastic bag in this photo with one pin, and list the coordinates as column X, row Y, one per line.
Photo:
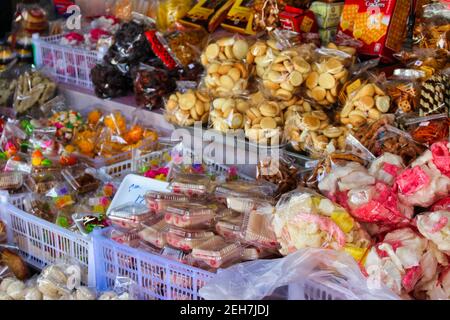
column 430, row 129
column 187, row 105
column 228, row 114
column 331, row 271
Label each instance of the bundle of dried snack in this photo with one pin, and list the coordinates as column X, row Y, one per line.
column 33, row 89
column 435, row 95
column 151, row 84
column 186, row 46
column 380, row 137
column 329, row 73
column 278, row 171
column 312, row 131
column 226, row 78
column 305, row 219
column 369, row 195
column 404, row 261
column 185, row 107
column 109, row 82
column 429, row 129
column 428, row 177
column 404, row 95
column 432, row 29
column 365, row 103
column 228, row 114
column 7, row 89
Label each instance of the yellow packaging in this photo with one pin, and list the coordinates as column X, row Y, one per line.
column 327, row 35
column 327, row 14
column 240, row 18
column 207, row 14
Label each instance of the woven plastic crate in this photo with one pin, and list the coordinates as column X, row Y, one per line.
column 156, row 277
column 64, row 63
column 41, row 242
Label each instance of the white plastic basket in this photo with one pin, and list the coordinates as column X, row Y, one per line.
column 41, row 242
column 64, row 63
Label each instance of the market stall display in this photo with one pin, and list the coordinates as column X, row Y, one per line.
column 361, row 102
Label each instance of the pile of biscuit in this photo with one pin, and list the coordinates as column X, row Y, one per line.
column 32, row 89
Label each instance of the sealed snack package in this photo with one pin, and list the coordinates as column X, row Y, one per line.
column 435, row 226
column 257, row 226
column 206, row 14
column 81, row 178
column 129, row 215
column 186, row 106
column 87, row 222
column 404, row 94
column 312, row 131
column 369, row 195
column 186, row 46
column 40, row 207
column 216, row 252
column 11, row 180
column 280, row 172
column 381, row 137
column 226, row 78
column 155, row 232
column 186, row 240
column 427, row 180
column 431, row 29
column 224, row 47
column 151, row 85
column 245, row 189
column 366, row 102
column 403, row 261
column 228, row 114
column 429, row 129
column 435, row 95
column 33, row 89
column 329, row 73
column 168, row 12
column 305, row 219
column 193, row 185
column 109, row 82
column 229, row 227
column 126, row 236
column 189, row 215
column 157, row 202
column 283, row 72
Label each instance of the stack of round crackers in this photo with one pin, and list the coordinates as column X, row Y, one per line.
column 184, row 109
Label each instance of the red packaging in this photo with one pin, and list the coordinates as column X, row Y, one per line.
column 379, row 25
column 298, row 20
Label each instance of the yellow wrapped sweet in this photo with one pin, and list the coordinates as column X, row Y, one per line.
column 169, row 11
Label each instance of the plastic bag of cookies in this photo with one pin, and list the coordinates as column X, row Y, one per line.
column 227, row 78
column 228, row 114
column 224, row 46
column 187, row 105
column 329, row 73
column 312, row 131
column 264, row 121
column 366, row 102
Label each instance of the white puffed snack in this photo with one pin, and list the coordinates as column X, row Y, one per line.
column 48, row 288
column 55, row 274
column 4, row 296
column 108, row 295
column 6, row 283
column 16, row 290
column 84, row 293
column 33, row 293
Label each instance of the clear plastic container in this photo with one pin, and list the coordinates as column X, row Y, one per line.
column 127, row 237
column 191, row 184
column 158, row 201
column 174, row 254
column 255, row 253
column 81, row 179
column 189, row 215
column 187, row 240
column 41, row 184
column 244, row 189
column 241, row 204
column 11, row 180
column 154, row 232
column 217, row 252
column 230, row 226
column 129, row 215
column 258, row 230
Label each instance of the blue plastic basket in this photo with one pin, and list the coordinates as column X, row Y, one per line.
column 157, row 278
